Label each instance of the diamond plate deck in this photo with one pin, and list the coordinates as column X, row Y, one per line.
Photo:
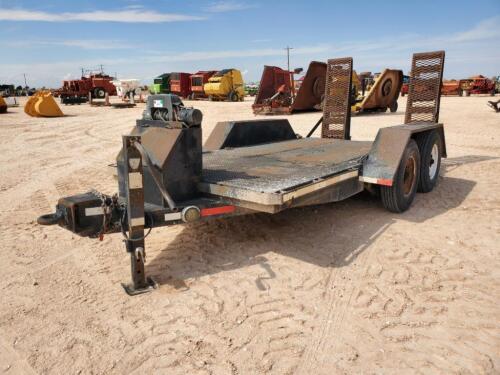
column 281, row 167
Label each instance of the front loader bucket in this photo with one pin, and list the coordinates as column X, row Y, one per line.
column 29, row 107
column 42, row 104
column 312, row 90
column 385, row 91
column 3, row 105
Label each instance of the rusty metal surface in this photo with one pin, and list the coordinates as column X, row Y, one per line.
column 312, row 90
column 337, row 107
column 385, row 90
column 272, row 79
column 278, row 167
column 424, row 90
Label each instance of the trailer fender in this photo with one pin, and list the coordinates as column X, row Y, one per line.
column 382, row 162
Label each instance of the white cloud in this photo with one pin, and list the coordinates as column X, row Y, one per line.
column 468, row 52
column 128, row 15
column 209, row 55
column 486, row 29
column 228, row 6
column 86, row 44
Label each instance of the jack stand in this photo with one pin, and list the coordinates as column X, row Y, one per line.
column 135, row 212
column 140, row 283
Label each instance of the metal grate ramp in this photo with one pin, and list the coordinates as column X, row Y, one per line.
column 424, row 92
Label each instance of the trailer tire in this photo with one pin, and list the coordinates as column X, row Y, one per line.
column 430, row 147
column 399, row 197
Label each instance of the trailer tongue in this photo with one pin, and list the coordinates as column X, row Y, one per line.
column 165, row 178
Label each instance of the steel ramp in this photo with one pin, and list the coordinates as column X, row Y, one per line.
column 337, row 106
column 424, row 91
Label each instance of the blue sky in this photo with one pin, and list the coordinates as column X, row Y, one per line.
column 51, row 40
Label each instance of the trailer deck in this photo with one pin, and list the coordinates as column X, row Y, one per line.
column 272, row 174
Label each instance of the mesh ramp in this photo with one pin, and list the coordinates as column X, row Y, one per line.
column 424, row 91
column 337, row 107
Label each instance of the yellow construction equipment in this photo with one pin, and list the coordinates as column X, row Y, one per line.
column 42, row 104
column 3, row 105
column 382, row 94
column 226, row 84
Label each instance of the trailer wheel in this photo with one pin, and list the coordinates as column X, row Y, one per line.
column 99, row 93
column 399, row 196
column 430, row 146
column 394, row 106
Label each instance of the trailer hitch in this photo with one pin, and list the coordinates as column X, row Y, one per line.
column 51, row 219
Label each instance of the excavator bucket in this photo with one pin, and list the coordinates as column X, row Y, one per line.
column 29, row 107
column 312, row 90
column 3, row 105
column 384, row 92
column 42, row 104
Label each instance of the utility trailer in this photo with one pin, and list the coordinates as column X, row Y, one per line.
column 166, row 178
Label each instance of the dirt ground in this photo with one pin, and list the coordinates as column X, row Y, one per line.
column 333, row 289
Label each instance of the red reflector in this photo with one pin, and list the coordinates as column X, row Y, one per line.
column 217, row 210
column 384, row 181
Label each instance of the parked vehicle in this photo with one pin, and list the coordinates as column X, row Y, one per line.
column 77, row 91
column 226, row 84
column 469, row 86
column 127, row 88
column 180, row 84
column 7, row 90
column 198, row 81
column 251, row 89
column 161, row 84
column 477, row 85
